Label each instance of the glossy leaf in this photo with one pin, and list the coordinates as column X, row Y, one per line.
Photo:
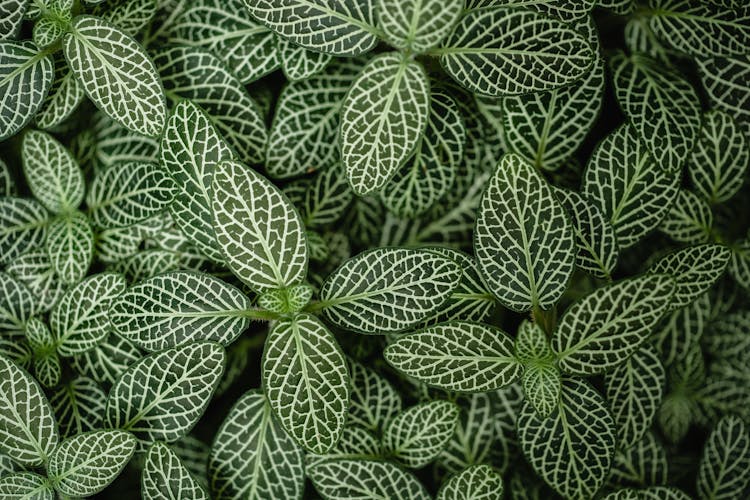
column 26, row 485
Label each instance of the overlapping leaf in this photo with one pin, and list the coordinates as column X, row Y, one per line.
column 298, row 62
column 165, row 477
column 415, row 24
column 726, row 453
column 52, row 173
column 346, row 479
column 374, row 401
column 725, row 81
column 79, row 406
column 26, row 485
column 70, row 245
column 416, row 436
column 34, row 270
column 17, row 303
column 689, row 219
column 23, row 224
column 477, row 481
column 523, row 238
column 388, row 289
column 11, row 15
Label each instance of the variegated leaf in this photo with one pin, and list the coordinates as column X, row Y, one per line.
column 306, row 380
column 181, row 382
column 257, row 228
column 726, row 82
column 388, row 289
column 343, row 28
column 70, row 245
column 34, row 270
column 573, row 448
column 643, row 463
column 79, row 406
column 165, row 477
column 689, row 219
column 480, row 482
column 346, row 479
column 327, row 198
column 108, row 360
column 725, row 456
column 17, row 304
column 523, row 238
column 415, row 24
column 65, row 95
column 23, row 224
column 298, row 62
column 474, row 437
column 117, row 74
column 383, row 116
column 178, row 307
column 11, row 16
column 374, row 401
column 510, row 51
column 26, row 485
column 604, row 328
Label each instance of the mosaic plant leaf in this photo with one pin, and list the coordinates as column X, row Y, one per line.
column 417, row 25
column 165, row 476
column 478, row 481
column 727, row 449
column 340, row 479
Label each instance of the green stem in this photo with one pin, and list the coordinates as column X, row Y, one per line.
column 547, row 320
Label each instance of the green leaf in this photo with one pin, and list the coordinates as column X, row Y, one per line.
column 695, row 269
column 662, row 106
column 510, row 51
column 80, row 321
column 17, row 304
column 28, row 431
column 595, row 237
column 191, row 147
column 79, row 406
column 726, row 83
column 298, row 62
column 374, row 401
column 739, row 265
column 226, row 28
column 725, row 456
column 125, row 194
column 117, row 74
column 470, row 301
column 388, row 289
column 286, row 300
column 11, row 16
column 346, row 479
column 416, row 436
column 252, row 456
column 681, row 329
column 7, row 184
column 85, row 464
column 643, row 463
column 457, row 356
column 345, row 28
column 178, row 307
column 415, row 24
column 622, row 179
column 52, row 173
column 132, row 16
column 108, row 360
column 327, row 199
column 523, row 238
column 477, row 481
column 547, row 128
column 47, row 369
column 542, row 384
column 306, row 380
column 355, row 443
column 113, row 143
column 634, row 390
column 48, row 30
column 34, row 270
column 430, row 173
column 383, row 117
column 573, row 448
column 474, row 437
column 604, row 328
column 23, row 224
column 180, row 384
column 165, row 477
column 26, row 485
column 25, row 78
column 689, row 219
column 700, row 30
column 196, row 74
column 257, row 228
column 304, row 131
column 147, row 263
column 65, row 95
column 70, row 245
column 720, row 158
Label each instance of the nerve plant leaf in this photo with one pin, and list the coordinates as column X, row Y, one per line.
column 306, row 381
column 624, row 181
column 374, row 401
column 726, row 453
column 663, row 108
column 127, row 193
column 165, row 477
column 178, row 307
column 53, row 175
column 117, row 74
column 689, row 219
column 720, row 158
column 634, row 390
column 383, row 116
column 25, row 78
column 726, row 82
column 607, row 326
column 252, row 456
column 257, row 228
column 345, row 479
column 11, row 15
column 695, row 269
column 70, row 245
column 191, row 147
column 573, row 448
column 477, row 481
column 79, row 406
column 28, row 431
column 388, row 289
column 80, row 321
column 344, row 28
column 523, row 238
column 86, row 463
column 417, row 25
column 416, row 436
column 23, row 224
column 510, row 51
column 17, row 304
column 298, row 62
column 181, row 381
column 457, row 356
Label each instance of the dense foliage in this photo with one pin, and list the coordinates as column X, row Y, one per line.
column 393, row 249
